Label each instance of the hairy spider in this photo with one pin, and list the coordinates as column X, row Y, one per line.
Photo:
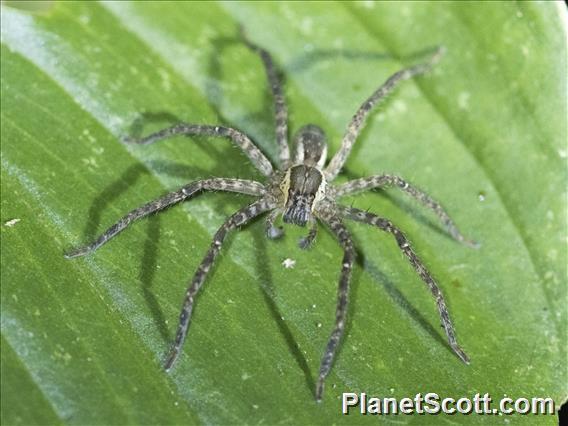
column 301, row 191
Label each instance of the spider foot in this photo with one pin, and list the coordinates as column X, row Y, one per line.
column 305, row 243
column 77, row 252
column 472, row 244
column 461, row 354
column 171, row 359
column 132, row 140
column 319, row 389
column 274, row 232
column 457, row 235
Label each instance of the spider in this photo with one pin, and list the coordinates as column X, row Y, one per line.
column 300, row 190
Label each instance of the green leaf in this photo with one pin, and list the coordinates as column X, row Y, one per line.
column 485, row 134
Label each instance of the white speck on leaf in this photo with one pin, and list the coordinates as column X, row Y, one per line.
column 400, row 106
column 90, row 162
column 11, row 222
column 288, row 263
column 88, row 135
column 463, row 100
column 525, row 50
column 166, row 82
column 307, row 25
column 550, row 215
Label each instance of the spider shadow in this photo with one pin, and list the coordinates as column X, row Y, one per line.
column 269, row 297
column 163, row 119
column 303, row 62
column 151, row 117
column 107, row 197
column 307, row 60
column 396, row 295
column 268, row 293
column 148, row 265
column 148, row 268
column 259, row 124
column 173, row 169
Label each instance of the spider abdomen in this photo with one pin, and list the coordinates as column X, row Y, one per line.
column 310, row 146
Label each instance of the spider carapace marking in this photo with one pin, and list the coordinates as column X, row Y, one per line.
column 300, row 190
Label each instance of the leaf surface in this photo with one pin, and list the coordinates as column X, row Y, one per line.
column 485, row 134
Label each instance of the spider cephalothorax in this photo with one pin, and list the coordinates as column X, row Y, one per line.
column 301, row 190
column 303, row 187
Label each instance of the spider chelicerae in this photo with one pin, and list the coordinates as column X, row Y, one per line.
column 300, row 190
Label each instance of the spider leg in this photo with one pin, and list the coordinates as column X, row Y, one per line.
column 221, row 184
column 360, row 116
column 403, row 243
column 257, row 158
column 386, row 181
column 273, row 232
column 239, row 218
column 344, row 238
column 307, row 241
column 281, row 112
